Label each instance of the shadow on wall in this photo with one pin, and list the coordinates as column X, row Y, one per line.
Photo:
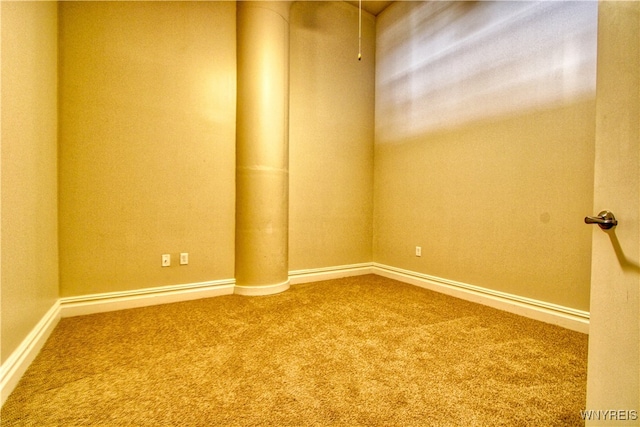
column 467, row 61
column 626, row 263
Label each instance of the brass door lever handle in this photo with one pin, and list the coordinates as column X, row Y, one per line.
column 605, row 220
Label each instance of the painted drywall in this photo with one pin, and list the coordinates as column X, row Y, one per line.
column 147, row 143
column 484, row 144
column 29, row 283
column 331, row 134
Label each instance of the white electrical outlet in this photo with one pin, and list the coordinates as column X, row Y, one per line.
column 418, row 251
column 184, row 258
column 166, row 260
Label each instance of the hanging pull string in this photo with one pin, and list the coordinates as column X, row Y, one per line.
column 359, row 30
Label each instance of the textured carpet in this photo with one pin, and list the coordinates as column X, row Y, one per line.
column 356, row 351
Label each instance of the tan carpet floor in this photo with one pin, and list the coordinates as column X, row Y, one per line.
column 360, row 351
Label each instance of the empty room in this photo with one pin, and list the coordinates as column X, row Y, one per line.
column 399, row 213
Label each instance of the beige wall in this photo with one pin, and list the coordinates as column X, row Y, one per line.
column 331, row 134
column 484, row 149
column 147, row 143
column 29, row 285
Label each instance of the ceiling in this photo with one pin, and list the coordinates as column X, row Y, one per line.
column 373, row 7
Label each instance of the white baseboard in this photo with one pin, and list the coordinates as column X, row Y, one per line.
column 16, row 365
column 566, row 317
column 255, row 291
column 112, row 301
column 328, row 273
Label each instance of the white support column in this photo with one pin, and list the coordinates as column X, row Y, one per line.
column 262, row 148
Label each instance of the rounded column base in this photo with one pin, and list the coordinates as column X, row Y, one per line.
column 261, row 289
